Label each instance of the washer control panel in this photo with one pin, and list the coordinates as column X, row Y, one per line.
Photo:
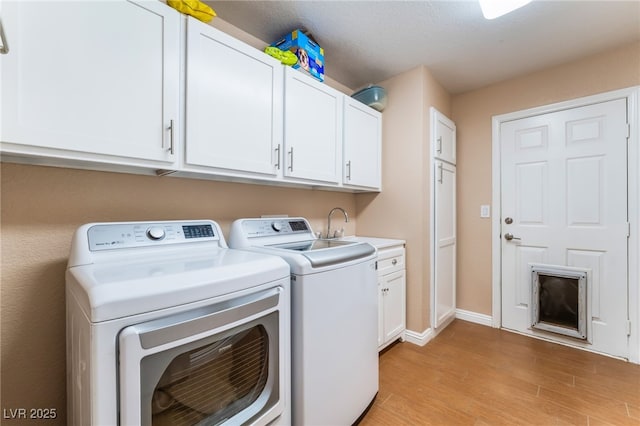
column 275, row 226
column 111, row 236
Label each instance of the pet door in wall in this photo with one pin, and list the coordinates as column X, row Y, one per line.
column 559, row 300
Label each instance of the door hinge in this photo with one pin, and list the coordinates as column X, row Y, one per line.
column 628, row 130
column 628, row 229
column 628, row 328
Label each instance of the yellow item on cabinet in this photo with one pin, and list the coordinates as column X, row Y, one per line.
column 195, row 8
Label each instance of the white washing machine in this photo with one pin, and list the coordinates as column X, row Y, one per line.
column 168, row 326
column 334, row 317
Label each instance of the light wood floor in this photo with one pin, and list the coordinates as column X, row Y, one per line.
column 476, row 375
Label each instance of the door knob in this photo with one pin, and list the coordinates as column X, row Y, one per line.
column 509, row 236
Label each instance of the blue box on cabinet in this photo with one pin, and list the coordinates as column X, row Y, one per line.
column 310, row 54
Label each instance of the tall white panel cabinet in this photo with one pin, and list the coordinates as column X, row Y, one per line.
column 233, row 105
column 87, row 80
column 443, row 201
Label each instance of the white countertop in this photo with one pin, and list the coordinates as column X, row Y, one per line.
column 378, row 243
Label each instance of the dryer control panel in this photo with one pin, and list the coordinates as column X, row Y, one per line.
column 109, row 236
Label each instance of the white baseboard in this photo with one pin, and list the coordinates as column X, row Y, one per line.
column 474, row 317
column 423, row 338
column 419, row 339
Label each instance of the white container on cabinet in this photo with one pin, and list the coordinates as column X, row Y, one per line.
column 76, row 92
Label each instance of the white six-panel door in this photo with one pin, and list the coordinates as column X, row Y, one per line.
column 564, row 190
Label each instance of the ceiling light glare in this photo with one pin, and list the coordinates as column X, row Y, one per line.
column 492, row 9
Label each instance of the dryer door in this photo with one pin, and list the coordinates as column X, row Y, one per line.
column 214, row 365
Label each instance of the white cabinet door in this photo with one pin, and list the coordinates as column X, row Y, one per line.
column 362, row 145
column 444, row 131
column 91, row 80
column 233, row 104
column 393, row 295
column 445, row 243
column 312, row 129
column 381, row 293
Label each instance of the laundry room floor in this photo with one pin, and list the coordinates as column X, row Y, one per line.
column 476, row 375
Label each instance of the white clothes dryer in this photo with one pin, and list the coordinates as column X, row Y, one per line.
column 334, row 317
column 167, row 325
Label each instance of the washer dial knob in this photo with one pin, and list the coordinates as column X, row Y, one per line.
column 155, row 233
column 276, row 226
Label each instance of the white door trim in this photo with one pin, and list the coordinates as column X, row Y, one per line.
column 632, row 94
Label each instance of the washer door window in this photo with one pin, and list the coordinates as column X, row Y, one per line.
column 208, row 366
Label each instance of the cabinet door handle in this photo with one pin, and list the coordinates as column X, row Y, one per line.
column 170, row 128
column 291, row 159
column 440, row 170
column 278, row 157
column 4, row 47
column 439, row 149
column 349, row 170
column 394, row 262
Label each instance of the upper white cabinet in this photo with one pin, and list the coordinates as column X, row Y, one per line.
column 312, row 129
column 233, row 105
column 362, row 145
column 91, row 80
column 135, row 86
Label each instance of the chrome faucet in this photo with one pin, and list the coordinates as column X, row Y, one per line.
column 346, row 219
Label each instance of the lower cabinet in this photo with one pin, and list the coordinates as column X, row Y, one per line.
column 391, row 295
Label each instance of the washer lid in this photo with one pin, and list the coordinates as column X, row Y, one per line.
column 329, row 252
column 142, row 284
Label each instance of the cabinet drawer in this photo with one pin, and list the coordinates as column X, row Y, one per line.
column 390, row 260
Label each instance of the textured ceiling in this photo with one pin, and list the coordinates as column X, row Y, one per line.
column 369, row 41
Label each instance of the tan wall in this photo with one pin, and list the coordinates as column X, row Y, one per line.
column 42, row 207
column 472, row 113
column 401, row 210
